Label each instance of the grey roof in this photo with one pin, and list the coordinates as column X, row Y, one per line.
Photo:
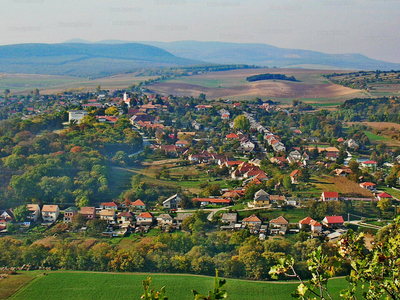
column 181, row 217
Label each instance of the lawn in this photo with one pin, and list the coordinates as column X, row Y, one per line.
column 374, row 137
column 87, row 285
column 11, row 284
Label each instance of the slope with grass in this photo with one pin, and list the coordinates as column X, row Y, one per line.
column 87, row 285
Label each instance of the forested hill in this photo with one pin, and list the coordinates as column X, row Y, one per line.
column 85, row 60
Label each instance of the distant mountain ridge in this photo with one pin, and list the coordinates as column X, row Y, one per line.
column 85, row 59
column 109, row 57
column 267, row 55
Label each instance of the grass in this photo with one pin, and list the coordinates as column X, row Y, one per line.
column 390, row 191
column 87, row 285
column 373, row 137
column 10, row 285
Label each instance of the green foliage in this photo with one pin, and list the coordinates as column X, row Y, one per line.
column 217, row 293
column 151, row 294
column 241, row 122
column 21, row 213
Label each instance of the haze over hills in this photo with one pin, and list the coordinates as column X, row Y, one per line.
column 264, row 55
column 85, row 59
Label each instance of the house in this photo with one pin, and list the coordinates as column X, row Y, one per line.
column 172, row 202
column 333, row 221
column 76, row 115
column 252, row 221
column 138, row 205
column 145, row 218
column 181, row 217
column 34, row 212
column 212, row 201
column 351, row 144
column 108, row 215
column 109, row 205
column 125, row 219
column 232, row 136
column 304, row 222
column 6, row 217
column 164, row 220
column 230, row 218
column 368, row 185
column 69, row 213
column 294, row 176
column 261, row 198
column 88, row 212
column 384, row 196
column 369, row 164
column 294, row 156
column 182, row 144
column 343, row 172
column 279, row 222
column 314, row 225
column 330, row 196
column 50, row 213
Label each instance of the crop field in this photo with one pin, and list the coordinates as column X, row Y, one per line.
column 293, row 215
column 86, row 285
column 311, row 86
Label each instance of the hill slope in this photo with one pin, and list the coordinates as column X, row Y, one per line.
column 267, row 55
column 79, row 59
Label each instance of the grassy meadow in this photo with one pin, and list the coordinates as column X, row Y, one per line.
column 87, row 285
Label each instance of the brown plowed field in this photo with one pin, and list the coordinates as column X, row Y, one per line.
column 311, row 85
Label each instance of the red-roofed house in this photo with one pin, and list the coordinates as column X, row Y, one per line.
column 333, row 221
column 212, row 201
column 368, row 185
column 109, row 205
column 384, row 196
column 304, row 222
column 125, row 218
column 369, row 164
column 251, row 221
column 232, row 136
column 330, row 196
column 294, row 176
column 144, row 219
column 315, row 226
column 138, row 204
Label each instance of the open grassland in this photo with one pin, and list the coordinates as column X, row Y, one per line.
column 187, row 177
column 381, row 132
column 311, row 86
column 13, row 283
column 86, row 285
column 50, row 84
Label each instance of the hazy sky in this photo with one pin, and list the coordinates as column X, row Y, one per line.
column 369, row 27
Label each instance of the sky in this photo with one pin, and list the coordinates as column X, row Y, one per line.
column 369, row 27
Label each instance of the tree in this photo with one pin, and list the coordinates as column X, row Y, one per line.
column 377, row 270
column 112, row 111
column 78, row 221
column 21, row 213
column 241, row 122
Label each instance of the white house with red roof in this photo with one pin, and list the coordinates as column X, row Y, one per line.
column 50, row 213
column 125, row 218
column 333, row 221
column 145, row 218
column 251, row 221
column 330, row 196
column 384, row 196
column 109, row 205
column 294, row 176
column 138, row 205
column 212, row 201
column 368, row 185
column 369, row 164
column 232, row 136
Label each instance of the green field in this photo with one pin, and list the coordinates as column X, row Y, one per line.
column 373, row 137
column 86, row 285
